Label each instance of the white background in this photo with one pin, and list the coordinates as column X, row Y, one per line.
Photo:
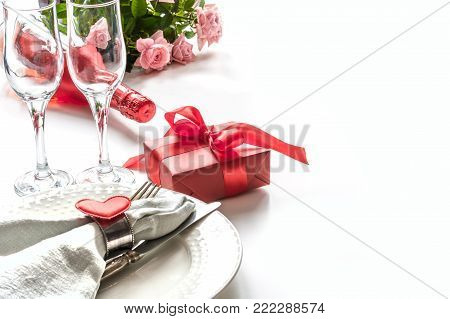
column 370, row 218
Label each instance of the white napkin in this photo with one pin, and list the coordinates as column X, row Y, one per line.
column 55, row 256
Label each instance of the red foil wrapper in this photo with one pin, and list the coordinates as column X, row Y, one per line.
column 211, row 162
column 133, row 104
column 127, row 101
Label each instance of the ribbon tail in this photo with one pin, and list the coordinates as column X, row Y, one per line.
column 296, row 152
column 257, row 137
column 135, row 163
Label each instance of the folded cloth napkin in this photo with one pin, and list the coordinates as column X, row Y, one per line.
column 62, row 255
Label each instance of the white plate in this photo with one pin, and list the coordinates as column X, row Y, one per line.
column 198, row 263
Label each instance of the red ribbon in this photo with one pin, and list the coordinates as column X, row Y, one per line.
column 223, row 140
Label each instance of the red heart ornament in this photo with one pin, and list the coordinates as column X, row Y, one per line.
column 110, row 208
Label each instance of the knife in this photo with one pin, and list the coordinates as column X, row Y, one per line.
column 117, row 264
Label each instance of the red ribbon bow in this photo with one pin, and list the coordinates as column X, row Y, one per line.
column 222, row 139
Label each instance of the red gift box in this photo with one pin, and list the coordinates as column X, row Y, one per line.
column 211, row 162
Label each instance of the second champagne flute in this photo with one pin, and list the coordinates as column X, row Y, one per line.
column 96, row 60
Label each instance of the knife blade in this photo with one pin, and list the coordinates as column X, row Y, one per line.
column 117, row 264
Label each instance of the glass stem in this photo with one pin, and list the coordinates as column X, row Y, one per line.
column 37, row 112
column 99, row 104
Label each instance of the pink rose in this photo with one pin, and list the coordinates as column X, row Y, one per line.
column 155, row 52
column 99, row 34
column 209, row 25
column 182, row 50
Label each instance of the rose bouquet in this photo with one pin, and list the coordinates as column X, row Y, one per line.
column 156, row 32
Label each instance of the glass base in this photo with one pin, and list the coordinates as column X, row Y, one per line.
column 30, row 184
column 118, row 175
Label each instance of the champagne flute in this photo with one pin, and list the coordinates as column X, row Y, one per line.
column 96, row 61
column 33, row 62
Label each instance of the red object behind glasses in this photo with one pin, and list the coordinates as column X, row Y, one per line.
column 129, row 102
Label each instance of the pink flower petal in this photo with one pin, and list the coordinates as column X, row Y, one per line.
column 209, row 25
column 158, row 34
column 98, row 34
column 143, row 44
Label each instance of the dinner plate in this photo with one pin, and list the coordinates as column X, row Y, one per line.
column 198, row 263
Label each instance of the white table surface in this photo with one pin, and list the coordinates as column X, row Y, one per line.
column 370, row 217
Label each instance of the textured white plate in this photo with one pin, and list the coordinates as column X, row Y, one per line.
column 198, row 263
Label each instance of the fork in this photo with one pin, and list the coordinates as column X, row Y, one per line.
column 147, row 190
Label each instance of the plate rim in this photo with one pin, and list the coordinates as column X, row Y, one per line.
column 239, row 259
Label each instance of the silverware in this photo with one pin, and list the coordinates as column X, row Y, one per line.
column 119, row 263
column 147, row 190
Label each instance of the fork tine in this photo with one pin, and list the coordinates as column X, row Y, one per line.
column 152, row 193
column 144, row 190
column 156, row 191
column 147, row 194
column 138, row 191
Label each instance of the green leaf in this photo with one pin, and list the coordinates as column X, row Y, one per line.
column 189, row 34
column 125, row 10
column 202, row 4
column 166, row 20
column 188, row 4
column 61, row 14
column 170, row 34
column 164, row 6
column 129, row 27
column 151, row 22
column 180, row 27
column 60, row 7
column 139, row 8
column 62, row 28
column 176, row 6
